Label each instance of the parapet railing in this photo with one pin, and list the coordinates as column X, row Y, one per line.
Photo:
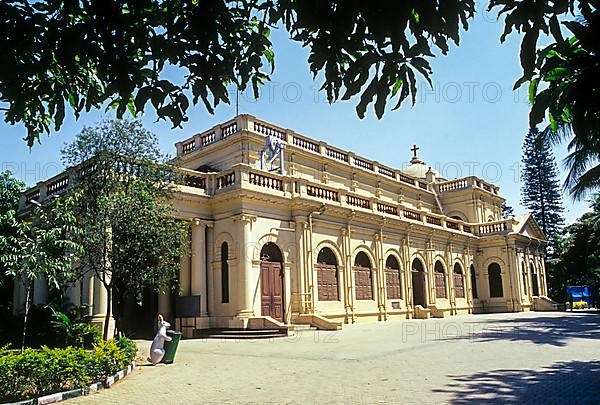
column 464, row 183
column 249, row 123
column 244, row 176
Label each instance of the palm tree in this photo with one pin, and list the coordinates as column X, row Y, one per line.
column 568, row 70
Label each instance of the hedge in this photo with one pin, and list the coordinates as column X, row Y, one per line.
column 37, row 372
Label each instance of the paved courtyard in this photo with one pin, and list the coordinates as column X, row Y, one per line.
column 529, row 358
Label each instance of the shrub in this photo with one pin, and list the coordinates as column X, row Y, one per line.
column 128, row 347
column 580, row 305
column 36, row 372
column 73, row 332
column 107, row 359
column 44, row 371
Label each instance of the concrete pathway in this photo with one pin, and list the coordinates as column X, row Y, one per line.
column 528, row 358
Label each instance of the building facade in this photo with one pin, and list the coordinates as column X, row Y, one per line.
column 286, row 229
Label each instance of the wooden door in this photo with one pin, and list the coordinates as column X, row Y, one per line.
column 271, row 281
column 327, row 282
column 419, row 293
column 459, row 285
column 363, row 281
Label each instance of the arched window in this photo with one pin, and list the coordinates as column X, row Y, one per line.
column 440, row 280
column 524, row 271
column 473, row 281
column 327, row 275
column 495, row 280
column 393, row 284
column 459, row 284
column 224, row 273
column 363, row 279
column 270, row 252
column 534, row 281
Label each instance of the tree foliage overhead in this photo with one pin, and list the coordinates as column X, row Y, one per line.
column 563, row 77
column 373, row 48
column 124, row 54
column 90, row 53
column 87, row 53
column 541, row 185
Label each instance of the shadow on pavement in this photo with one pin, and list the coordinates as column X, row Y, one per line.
column 574, row 382
column 552, row 330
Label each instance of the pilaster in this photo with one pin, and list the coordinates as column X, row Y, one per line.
column 245, row 284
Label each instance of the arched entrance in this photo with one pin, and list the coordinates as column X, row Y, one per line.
column 271, row 281
column 495, row 280
column 419, row 284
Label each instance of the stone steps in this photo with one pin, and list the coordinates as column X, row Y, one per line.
column 240, row 334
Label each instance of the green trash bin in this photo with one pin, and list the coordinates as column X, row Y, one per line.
column 171, row 347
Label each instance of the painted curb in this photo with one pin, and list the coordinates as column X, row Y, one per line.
column 61, row 396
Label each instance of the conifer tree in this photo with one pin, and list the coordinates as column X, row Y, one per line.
column 507, row 211
column 541, row 186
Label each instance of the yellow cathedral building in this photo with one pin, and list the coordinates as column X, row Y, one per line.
column 288, row 230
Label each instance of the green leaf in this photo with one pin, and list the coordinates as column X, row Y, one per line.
column 533, row 89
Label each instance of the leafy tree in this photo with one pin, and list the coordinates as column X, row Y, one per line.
column 541, row 186
column 87, row 54
column 131, row 237
column 563, row 78
column 578, row 260
column 41, row 245
column 10, row 191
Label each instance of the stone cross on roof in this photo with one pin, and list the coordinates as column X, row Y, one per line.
column 415, row 159
column 414, row 149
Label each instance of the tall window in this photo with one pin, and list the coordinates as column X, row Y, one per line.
column 534, row 282
column 363, row 278
column 495, row 280
column 224, row 273
column 459, row 284
column 327, row 276
column 524, row 271
column 473, row 281
column 440, row 280
column 392, row 278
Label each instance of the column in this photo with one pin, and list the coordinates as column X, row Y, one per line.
column 210, row 258
column 348, row 265
column 88, row 296
column 18, row 298
column 407, row 275
column 310, row 266
column 245, row 290
column 299, row 285
column 74, row 292
column 379, row 276
column 165, row 306
column 40, row 291
column 184, row 272
column 100, row 298
column 198, row 276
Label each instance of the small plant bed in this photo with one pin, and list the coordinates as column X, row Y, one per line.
column 70, row 371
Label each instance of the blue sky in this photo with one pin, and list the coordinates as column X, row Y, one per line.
column 470, row 123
